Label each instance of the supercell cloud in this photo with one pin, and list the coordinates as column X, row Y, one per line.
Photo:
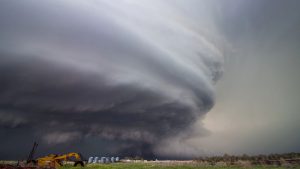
column 129, row 73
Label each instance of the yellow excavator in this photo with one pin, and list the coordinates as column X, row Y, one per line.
column 53, row 160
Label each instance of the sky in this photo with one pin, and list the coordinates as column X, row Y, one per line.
column 166, row 79
column 257, row 105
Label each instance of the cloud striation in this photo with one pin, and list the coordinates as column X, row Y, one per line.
column 131, row 72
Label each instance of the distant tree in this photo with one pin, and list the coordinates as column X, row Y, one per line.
column 226, row 157
column 245, row 157
column 138, row 158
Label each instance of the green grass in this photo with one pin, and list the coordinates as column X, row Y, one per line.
column 159, row 166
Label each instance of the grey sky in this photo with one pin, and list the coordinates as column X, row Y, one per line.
column 141, row 78
column 257, row 106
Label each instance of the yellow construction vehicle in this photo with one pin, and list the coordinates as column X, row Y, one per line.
column 53, row 160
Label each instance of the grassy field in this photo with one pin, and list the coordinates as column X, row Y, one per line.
column 159, row 166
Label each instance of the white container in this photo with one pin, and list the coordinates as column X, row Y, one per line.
column 90, row 160
column 95, row 160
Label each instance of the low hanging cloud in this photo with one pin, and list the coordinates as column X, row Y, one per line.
column 132, row 72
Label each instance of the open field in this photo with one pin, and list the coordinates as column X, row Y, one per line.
column 167, row 166
column 158, row 165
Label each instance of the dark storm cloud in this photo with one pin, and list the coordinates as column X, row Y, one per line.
column 132, row 77
column 121, row 72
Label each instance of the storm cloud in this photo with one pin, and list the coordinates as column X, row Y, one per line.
column 134, row 73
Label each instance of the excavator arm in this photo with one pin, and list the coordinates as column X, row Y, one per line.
column 31, row 154
column 69, row 156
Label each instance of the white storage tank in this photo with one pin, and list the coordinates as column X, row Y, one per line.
column 104, row 160
column 95, row 160
column 117, row 159
column 90, row 160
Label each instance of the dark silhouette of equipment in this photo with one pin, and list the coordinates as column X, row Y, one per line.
column 32, row 152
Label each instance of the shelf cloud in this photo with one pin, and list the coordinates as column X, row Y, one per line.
column 133, row 73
